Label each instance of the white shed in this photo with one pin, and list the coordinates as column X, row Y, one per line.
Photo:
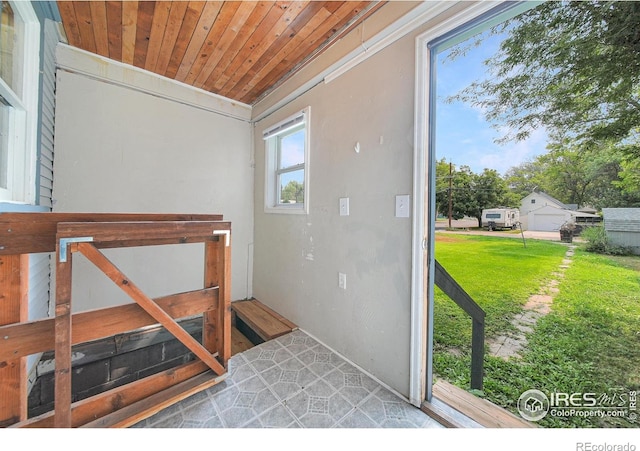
column 623, row 227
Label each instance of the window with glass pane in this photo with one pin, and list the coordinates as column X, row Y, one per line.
column 7, row 51
column 290, row 169
column 11, row 31
column 287, row 165
column 19, row 56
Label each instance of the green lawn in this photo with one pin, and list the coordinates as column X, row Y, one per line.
column 498, row 273
column 590, row 342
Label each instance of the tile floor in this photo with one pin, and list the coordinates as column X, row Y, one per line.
column 292, row 382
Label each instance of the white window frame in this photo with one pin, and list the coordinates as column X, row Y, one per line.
column 272, row 137
column 23, row 121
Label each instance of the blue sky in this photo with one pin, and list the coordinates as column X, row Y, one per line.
column 462, row 135
column 292, row 154
column 293, row 149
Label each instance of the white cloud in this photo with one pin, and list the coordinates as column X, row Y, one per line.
column 463, row 136
column 513, row 154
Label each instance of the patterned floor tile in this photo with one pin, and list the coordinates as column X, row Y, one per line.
column 260, row 358
column 319, row 405
column 387, row 410
column 239, row 369
column 356, row 420
column 320, row 360
column 213, row 423
column 242, row 402
column 351, row 383
column 278, row 417
column 171, row 422
column 291, row 382
column 203, row 411
column 288, row 378
column 168, row 416
column 297, row 342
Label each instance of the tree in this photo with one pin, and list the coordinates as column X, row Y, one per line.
column 599, row 177
column 294, row 191
column 629, row 182
column 490, row 192
column 463, row 193
column 472, row 193
column 572, row 67
column 523, row 179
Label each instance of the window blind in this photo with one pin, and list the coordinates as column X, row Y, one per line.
column 284, row 126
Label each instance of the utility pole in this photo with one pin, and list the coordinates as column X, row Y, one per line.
column 450, row 189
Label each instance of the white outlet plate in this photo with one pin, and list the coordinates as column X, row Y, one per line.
column 344, row 206
column 402, row 205
column 342, row 281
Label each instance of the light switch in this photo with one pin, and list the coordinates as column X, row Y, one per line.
column 342, row 280
column 402, row 206
column 344, row 206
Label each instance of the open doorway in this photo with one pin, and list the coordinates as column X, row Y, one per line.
column 541, row 265
column 471, row 20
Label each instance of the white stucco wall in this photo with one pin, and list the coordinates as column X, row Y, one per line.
column 298, row 258
column 122, row 150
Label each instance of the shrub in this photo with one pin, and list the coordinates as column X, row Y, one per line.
column 598, row 242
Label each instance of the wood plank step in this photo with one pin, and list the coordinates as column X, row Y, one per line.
column 239, row 343
column 447, row 415
column 477, row 409
column 266, row 323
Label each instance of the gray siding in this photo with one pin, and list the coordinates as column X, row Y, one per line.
column 623, row 227
column 39, row 264
column 48, row 106
column 622, row 219
column 38, row 286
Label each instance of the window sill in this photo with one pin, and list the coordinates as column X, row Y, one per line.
column 287, row 210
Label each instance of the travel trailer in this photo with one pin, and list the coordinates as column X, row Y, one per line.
column 500, row 218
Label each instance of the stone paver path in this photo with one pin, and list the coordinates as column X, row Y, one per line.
column 537, row 306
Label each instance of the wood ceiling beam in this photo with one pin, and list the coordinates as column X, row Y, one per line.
column 345, row 26
column 273, row 26
column 100, row 27
column 286, row 44
column 169, row 38
column 275, row 42
column 70, row 23
column 235, row 34
column 85, row 25
column 214, row 43
column 208, row 28
column 114, row 29
column 146, row 10
column 129, row 28
column 237, row 49
column 189, row 22
column 158, row 27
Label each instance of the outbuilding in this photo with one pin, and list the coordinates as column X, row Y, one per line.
column 623, row 227
column 542, row 212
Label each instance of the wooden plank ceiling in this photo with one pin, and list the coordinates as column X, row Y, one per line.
column 238, row 49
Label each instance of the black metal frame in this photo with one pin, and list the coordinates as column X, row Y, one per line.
column 451, row 288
